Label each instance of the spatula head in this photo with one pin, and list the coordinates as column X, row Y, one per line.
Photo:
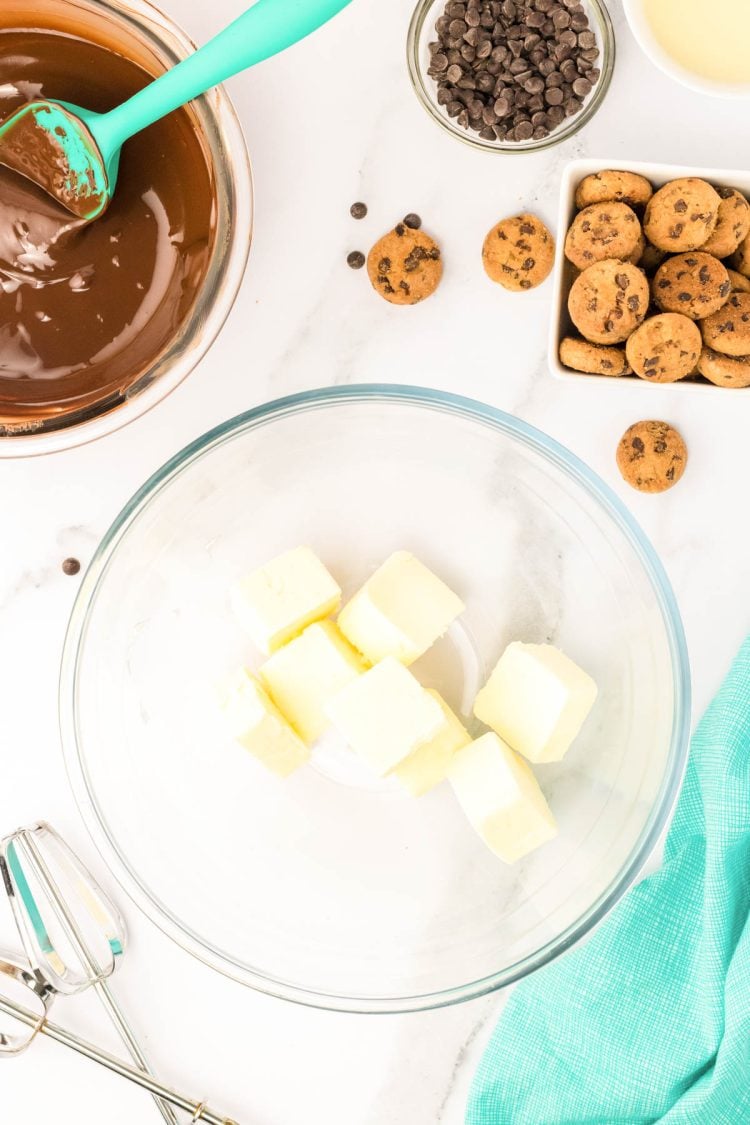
column 50, row 144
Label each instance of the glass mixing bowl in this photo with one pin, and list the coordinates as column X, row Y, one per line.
column 422, row 33
column 150, row 38
column 331, row 888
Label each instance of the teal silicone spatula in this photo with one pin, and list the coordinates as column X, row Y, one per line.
column 74, row 153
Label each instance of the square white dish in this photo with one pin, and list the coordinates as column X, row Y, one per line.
column 560, row 323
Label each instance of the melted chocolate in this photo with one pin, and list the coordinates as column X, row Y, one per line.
column 86, row 309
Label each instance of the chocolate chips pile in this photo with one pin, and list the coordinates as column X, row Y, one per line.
column 513, row 70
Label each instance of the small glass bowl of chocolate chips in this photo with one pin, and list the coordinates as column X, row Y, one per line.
column 511, row 75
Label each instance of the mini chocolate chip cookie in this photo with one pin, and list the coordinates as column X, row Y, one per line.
column 724, row 370
column 639, row 251
column 728, row 330
column 651, row 258
column 405, row 266
column 519, row 253
column 665, row 348
column 592, row 359
column 695, row 284
column 608, row 300
column 740, row 284
column 682, row 215
column 613, row 187
column 740, row 260
column 605, row 230
column 732, row 225
column 651, row 456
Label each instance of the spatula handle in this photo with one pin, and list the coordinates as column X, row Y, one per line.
column 268, row 27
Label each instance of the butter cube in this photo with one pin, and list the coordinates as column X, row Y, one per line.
column 385, row 715
column 537, row 700
column 400, row 611
column 428, row 766
column 256, row 723
column 501, row 798
column 304, row 675
column 277, row 601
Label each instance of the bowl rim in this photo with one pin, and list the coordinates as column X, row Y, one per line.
column 306, row 402
column 235, row 197
column 419, row 83
column 663, row 61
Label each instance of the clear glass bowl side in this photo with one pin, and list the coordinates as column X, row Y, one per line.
column 298, row 891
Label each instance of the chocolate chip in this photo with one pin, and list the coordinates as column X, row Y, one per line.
column 622, row 280
column 384, row 265
column 72, row 566
column 638, row 445
column 515, row 53
column 412, row 221
column 358, row 210
column 680, row 206
column 356, row 259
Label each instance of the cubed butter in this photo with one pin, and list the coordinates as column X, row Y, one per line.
column 400, row 611
column 428, row 766
column 277, row 601
column 255, row 722
column 385, row 715
column 305, row 675
column 501, row 798
column 537, row 700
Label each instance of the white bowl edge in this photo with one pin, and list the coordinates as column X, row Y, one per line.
column 662, row 60
column 657, row 174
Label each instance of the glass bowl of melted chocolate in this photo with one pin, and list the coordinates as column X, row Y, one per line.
column 99, row 321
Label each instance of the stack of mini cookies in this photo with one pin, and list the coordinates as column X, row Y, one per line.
column 663, row 282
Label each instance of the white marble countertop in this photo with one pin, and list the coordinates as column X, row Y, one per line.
column 333, row 121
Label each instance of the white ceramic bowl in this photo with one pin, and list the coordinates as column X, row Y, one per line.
column 564, row 272
column 652, row 48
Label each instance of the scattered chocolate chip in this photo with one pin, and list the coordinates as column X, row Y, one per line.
column 412, row 221
column 72, row 566
column 358, row 210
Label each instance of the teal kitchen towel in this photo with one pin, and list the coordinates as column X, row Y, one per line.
column 650, row 1020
